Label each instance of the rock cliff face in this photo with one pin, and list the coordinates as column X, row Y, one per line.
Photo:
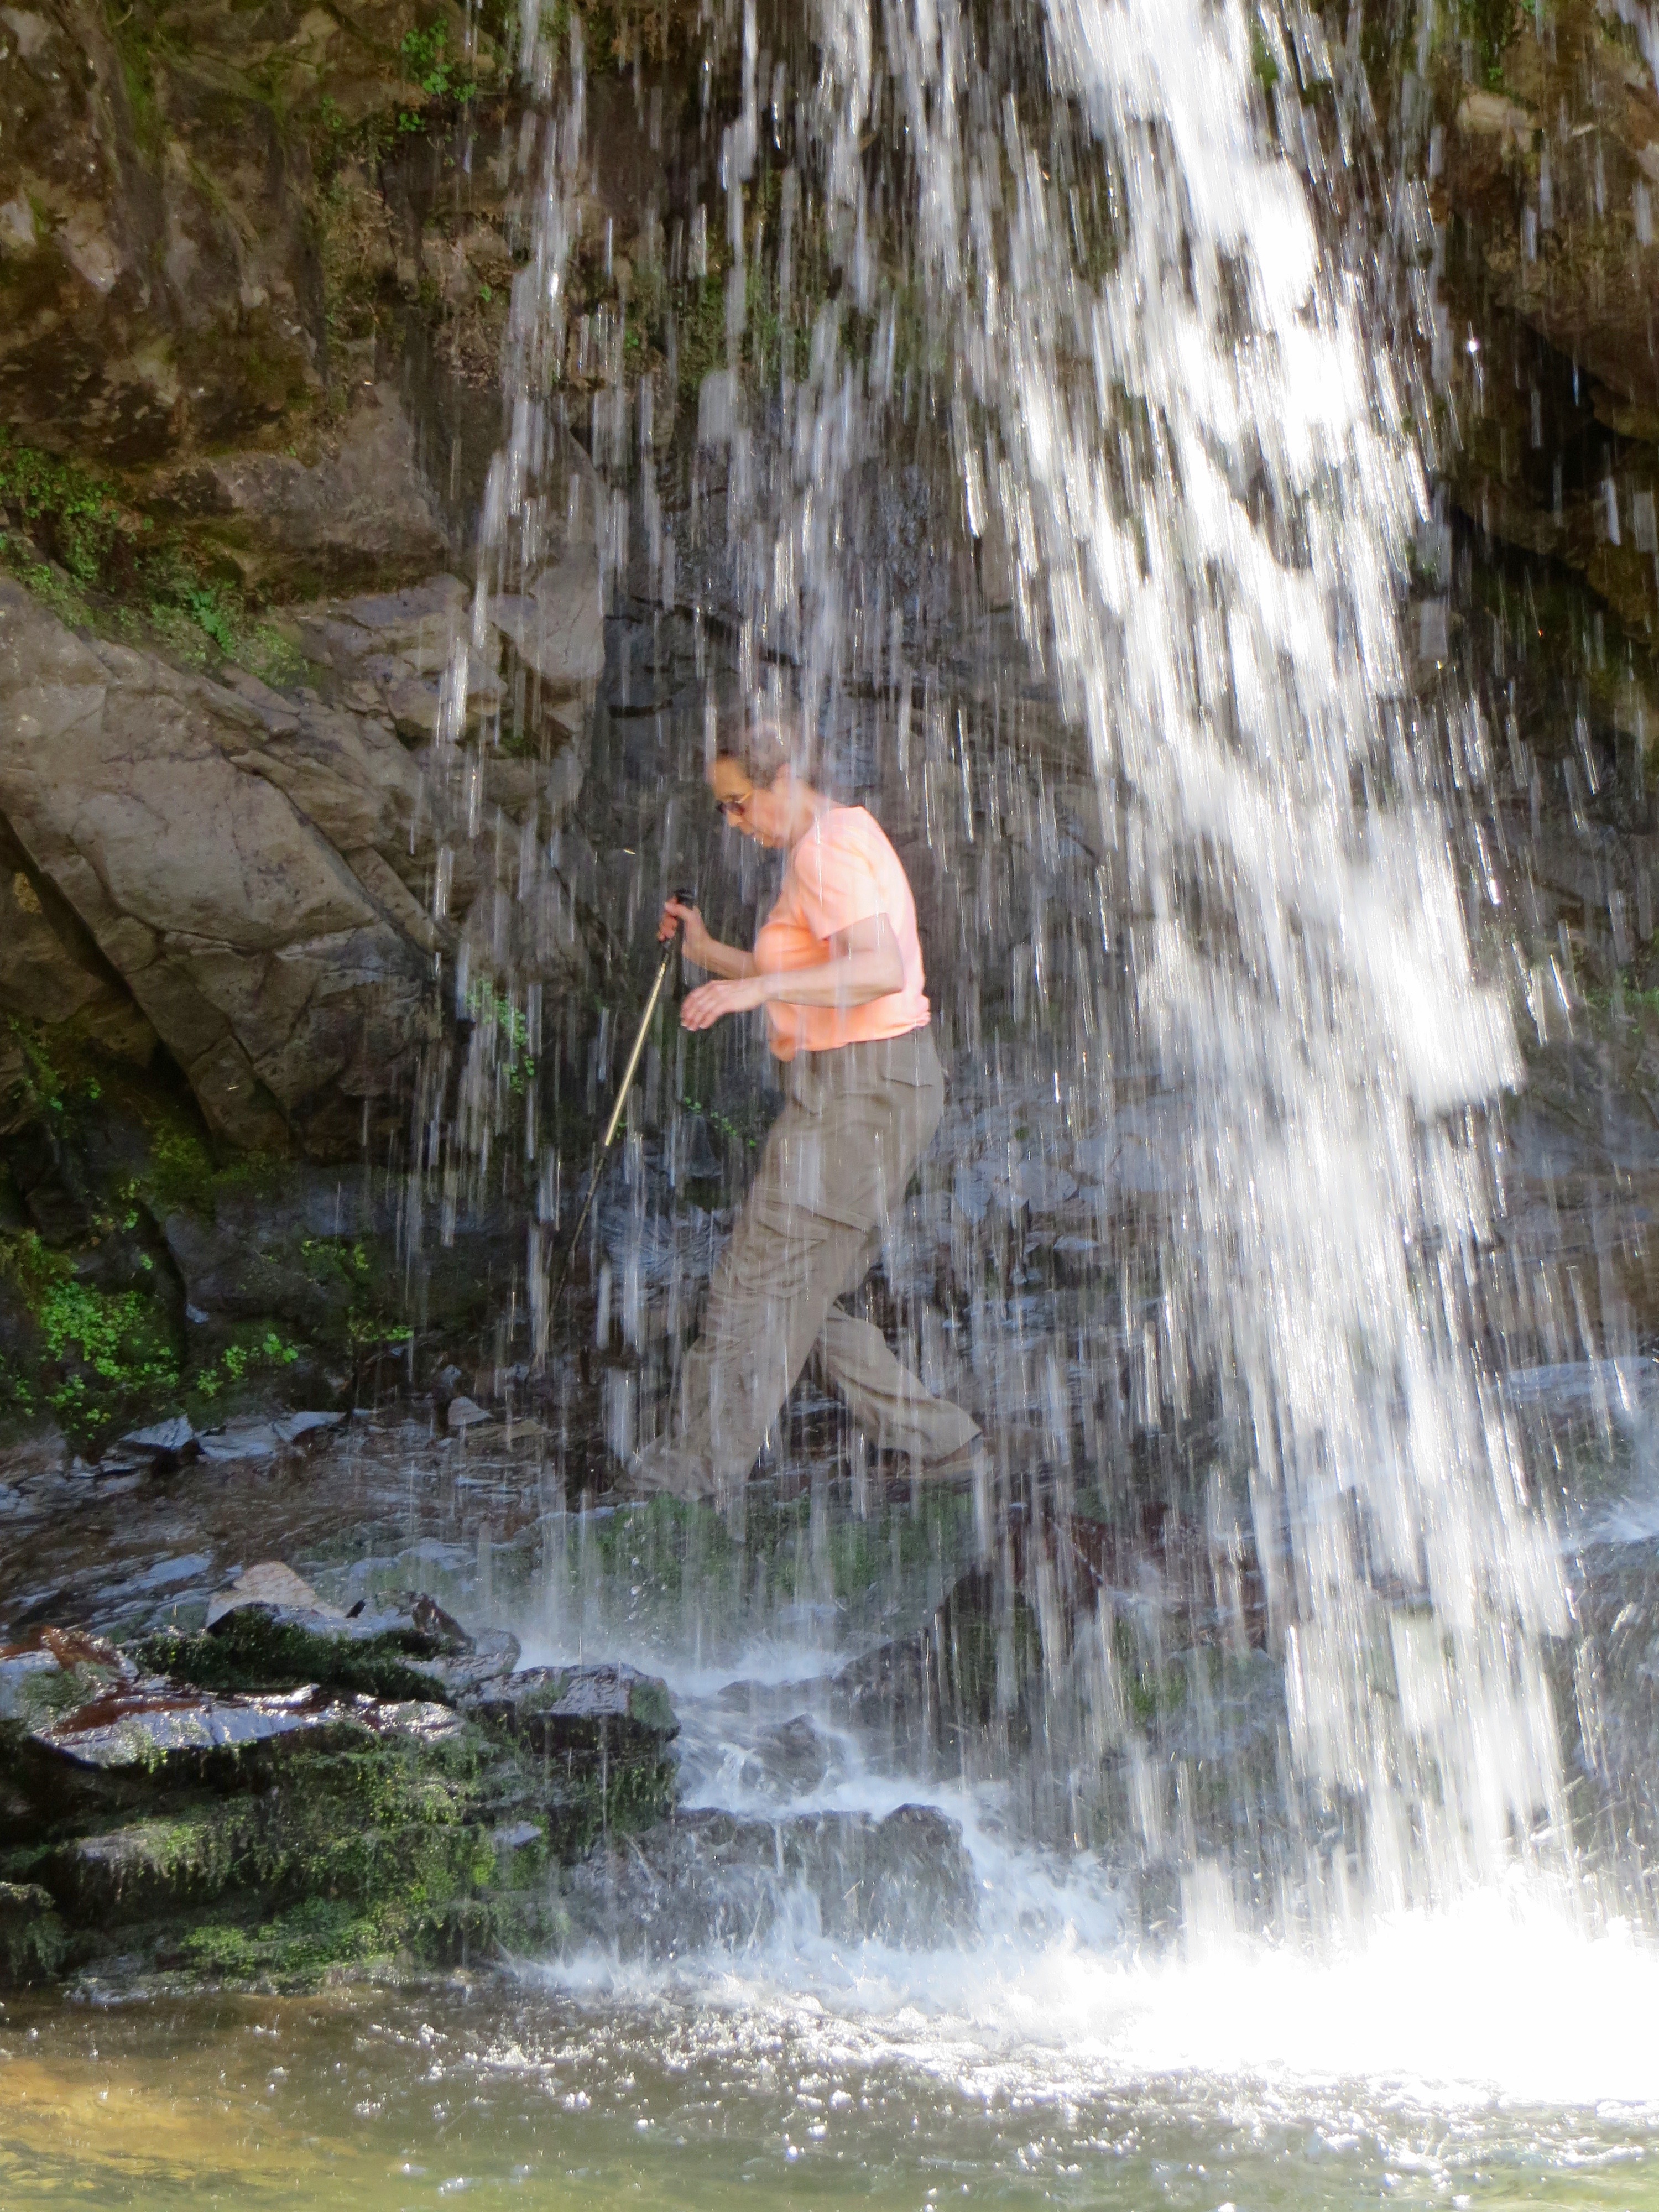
column 254, row 274
column 1543, row 160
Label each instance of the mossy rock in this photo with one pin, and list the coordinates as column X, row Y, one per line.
column 368, row 1840
column 615, row 1710
column 260, row 1648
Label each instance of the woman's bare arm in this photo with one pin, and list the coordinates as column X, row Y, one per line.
column 864, row 963
column 702, row 950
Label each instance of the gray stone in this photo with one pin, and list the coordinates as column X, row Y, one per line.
column 290, row 1427
column 32, row 32
column 269, row 1583
column 270, row 1628
column 240, row 1440
column 55, row 1671
column 363, row 506
column 157, row 1725
column 710, row 1881
column 392, row 651
column 557, row 625
column 51, row 972
column 170, row 1436
column 793, row 1756
column 141, row 1727
column 558, row 1708
column 411, row 1622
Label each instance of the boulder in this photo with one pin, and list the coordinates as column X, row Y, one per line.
column 96, row 1735
column 55, row 1671
column 157, row 1728
column 271, row 1585
column 283, row 1833
column 582, row 1709
column 707, row 1881
column 252, row 1439
column 792, row 1757
column 360, row 508
column 164, row 1439
column 390, row 652
column 556, row 625
column 964, row 1679
column 51, row 971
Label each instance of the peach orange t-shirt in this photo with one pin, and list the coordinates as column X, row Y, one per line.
column 843, row 871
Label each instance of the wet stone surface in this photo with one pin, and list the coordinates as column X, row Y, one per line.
column 708, row 1880
column 609, row 1708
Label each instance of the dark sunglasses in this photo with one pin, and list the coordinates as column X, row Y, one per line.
column 730, row 809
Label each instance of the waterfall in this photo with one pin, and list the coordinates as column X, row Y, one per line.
column 1200, row 466
column 1176, row 430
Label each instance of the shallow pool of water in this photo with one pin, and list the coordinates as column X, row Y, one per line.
column 1424, row 2071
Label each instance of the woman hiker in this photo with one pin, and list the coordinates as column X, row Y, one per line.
column 837, row 966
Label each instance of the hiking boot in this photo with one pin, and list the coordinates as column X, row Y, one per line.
column 967, row 1463
column 662, row 1470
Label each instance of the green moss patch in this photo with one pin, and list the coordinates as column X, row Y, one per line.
column 70, row 532
column 252, row 1649
column 34, row 1943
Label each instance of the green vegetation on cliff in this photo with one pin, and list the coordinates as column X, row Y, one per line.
column 71, row 534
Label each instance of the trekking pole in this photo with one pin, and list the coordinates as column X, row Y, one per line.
column 685, row 898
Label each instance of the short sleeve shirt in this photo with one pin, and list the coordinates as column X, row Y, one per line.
column 843, row 871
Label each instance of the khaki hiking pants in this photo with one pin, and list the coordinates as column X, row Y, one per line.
column 836, row 1168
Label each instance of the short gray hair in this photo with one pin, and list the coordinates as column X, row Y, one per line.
column 761, row 749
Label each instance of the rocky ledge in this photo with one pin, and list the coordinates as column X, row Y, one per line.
column 293, row 1792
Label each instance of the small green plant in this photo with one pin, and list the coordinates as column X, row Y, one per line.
column 428, row 66
column 424, row 60
column 723, row 1122
column 237, row 1361
column 66, row 531
column 484, row 1002
column 1264, row 67
column 105, row 1352
column 1490, row 25
column 206, row 604
column 78, row 514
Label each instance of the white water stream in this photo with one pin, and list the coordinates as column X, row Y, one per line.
column 1203, row 473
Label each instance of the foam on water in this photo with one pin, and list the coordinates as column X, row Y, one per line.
column 1503, row 1997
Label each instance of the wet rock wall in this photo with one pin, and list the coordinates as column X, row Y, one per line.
column 258, row 278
